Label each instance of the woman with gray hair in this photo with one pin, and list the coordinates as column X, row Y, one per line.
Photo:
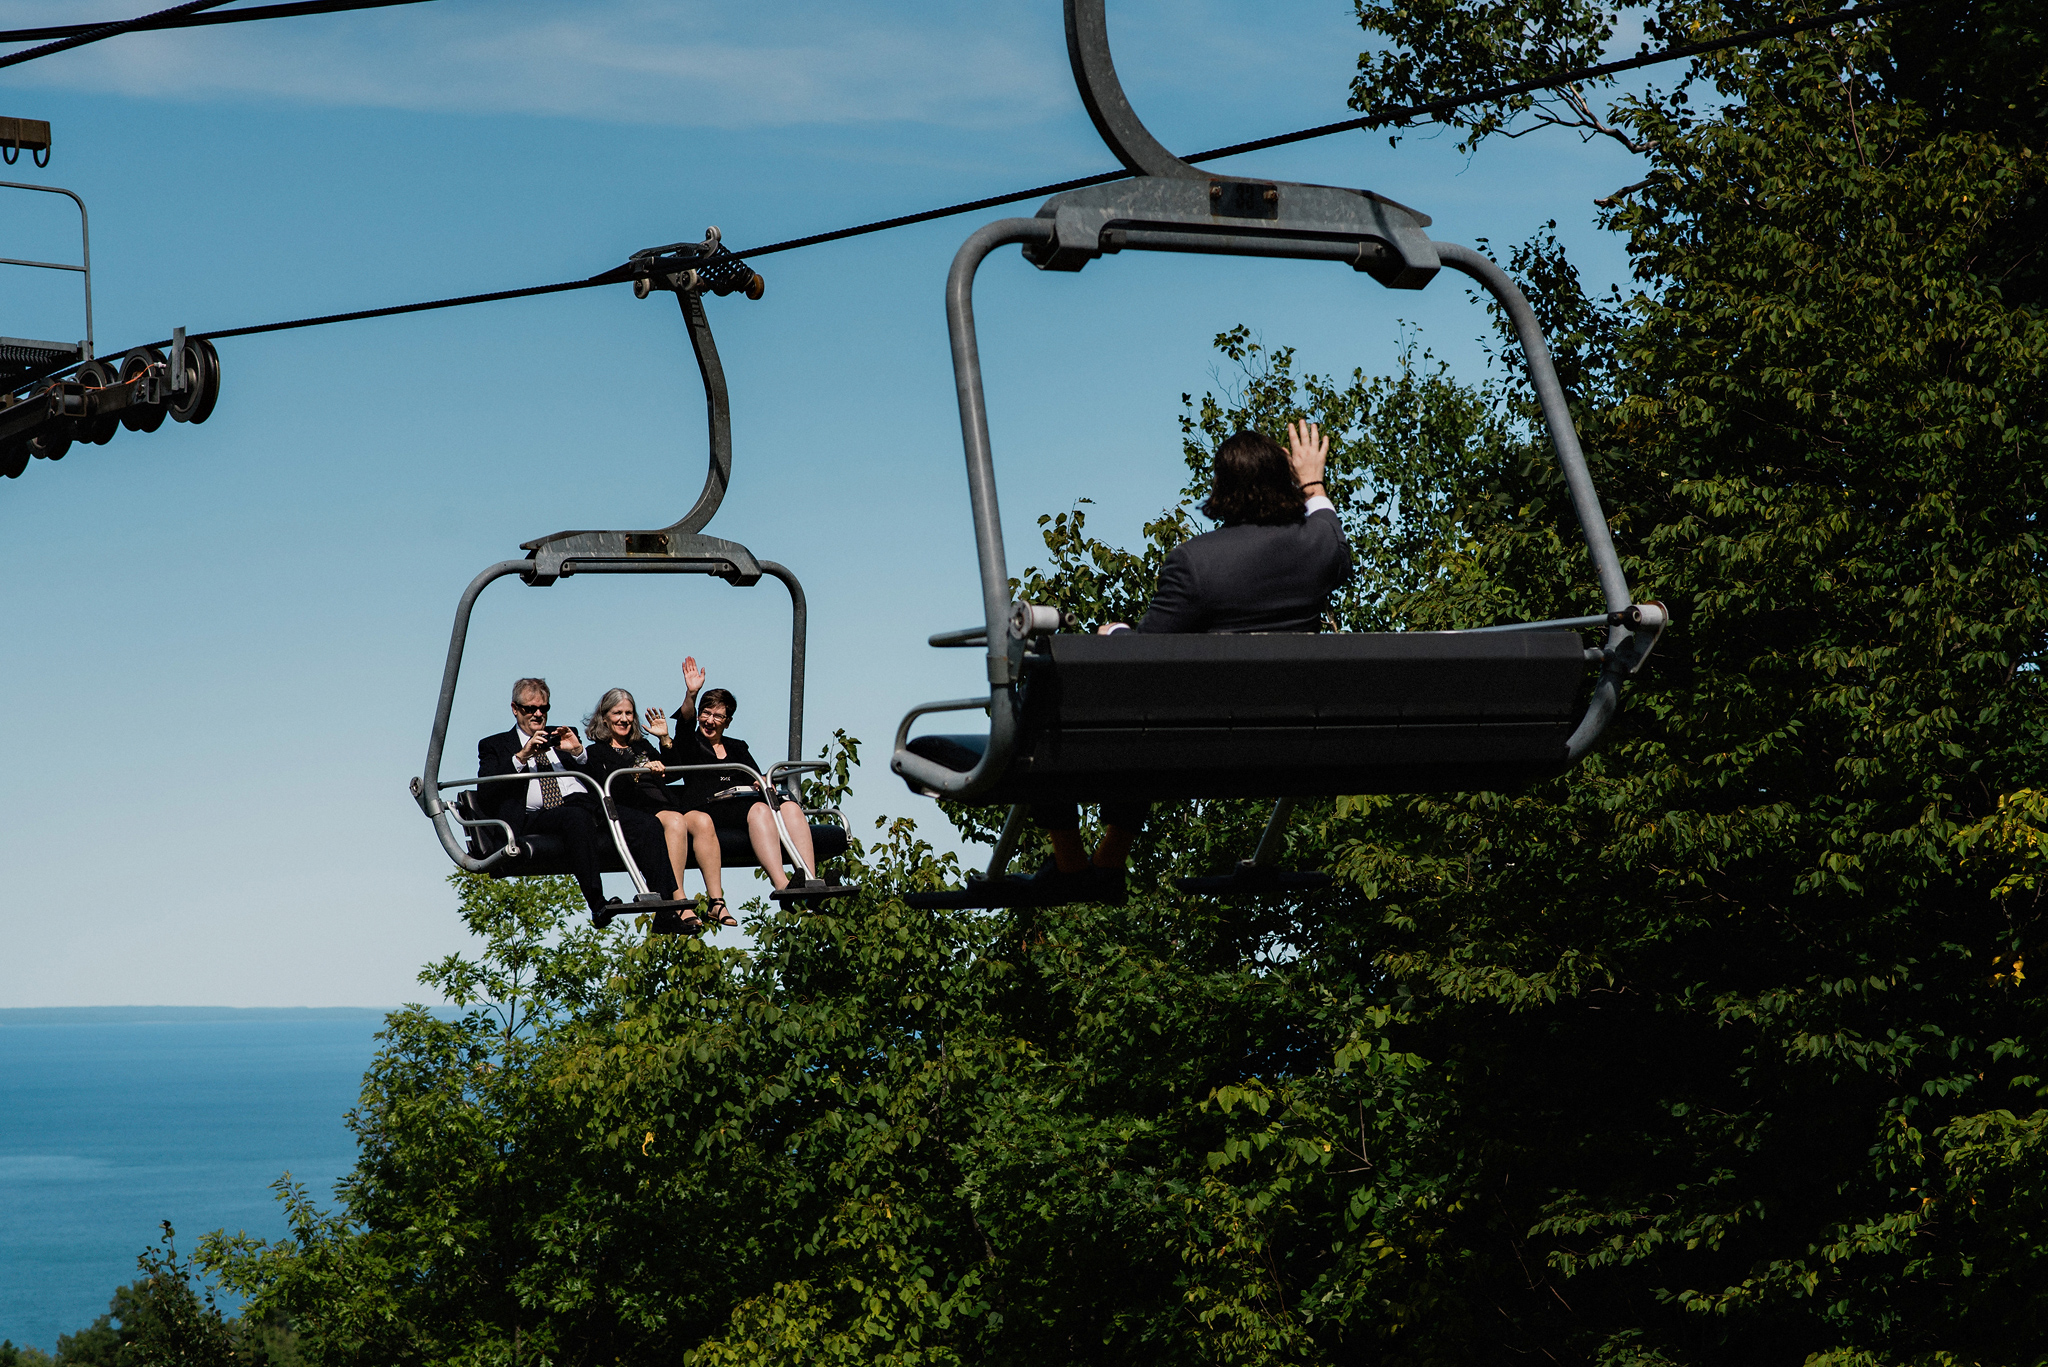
column 616, row 742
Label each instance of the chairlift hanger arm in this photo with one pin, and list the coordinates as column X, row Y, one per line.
column 686, row 269
column 717, row 413
column 1103, row 94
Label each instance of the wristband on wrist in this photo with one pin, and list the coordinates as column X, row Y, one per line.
column 1305, row 483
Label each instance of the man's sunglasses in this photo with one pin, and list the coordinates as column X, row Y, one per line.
column 531, row 708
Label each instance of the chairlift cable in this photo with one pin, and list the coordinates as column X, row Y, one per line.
column 195, row 20
column 1381, row 118
column 1397, row 115
column 96, row 33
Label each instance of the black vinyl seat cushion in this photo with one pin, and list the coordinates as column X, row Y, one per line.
column 1156, row 716
column 541, row 855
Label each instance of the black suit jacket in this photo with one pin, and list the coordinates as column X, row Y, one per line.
column 1250, row 577
column 691, row 748
column 642, row 791
column 507, row 801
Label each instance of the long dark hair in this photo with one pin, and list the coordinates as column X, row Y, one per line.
column 1253, row 482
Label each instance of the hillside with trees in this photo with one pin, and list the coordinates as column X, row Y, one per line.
column 1719, row 1049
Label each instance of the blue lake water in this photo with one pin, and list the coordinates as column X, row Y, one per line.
column 113, row 1119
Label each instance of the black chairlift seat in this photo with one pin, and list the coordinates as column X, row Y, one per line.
column 23, row 359
column 1163, row 717
column 543, row 855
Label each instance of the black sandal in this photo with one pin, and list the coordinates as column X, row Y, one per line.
column 719, row 913
column 671, row 921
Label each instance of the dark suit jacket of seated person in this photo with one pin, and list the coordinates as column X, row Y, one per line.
column 701, row 790
column 641, row 792
column 1271, row 566
column 573, row 816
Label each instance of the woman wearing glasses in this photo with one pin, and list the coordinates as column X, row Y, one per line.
column 729, row 800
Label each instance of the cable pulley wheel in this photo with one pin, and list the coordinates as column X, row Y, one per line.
column 202, row 383
column 99, row 429
column 52, row 443
column 13, row 458
column 141, row 417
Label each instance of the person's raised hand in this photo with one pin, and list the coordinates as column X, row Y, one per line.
column 568, row 744
column 657, row 722
column 1308, row 451
column 693, row 677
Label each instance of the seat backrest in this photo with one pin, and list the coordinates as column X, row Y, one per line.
column 1251, row 681
column 483, row 840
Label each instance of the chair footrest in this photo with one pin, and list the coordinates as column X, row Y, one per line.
column 813, row 891
column 1251, row 881
column 1002, row 892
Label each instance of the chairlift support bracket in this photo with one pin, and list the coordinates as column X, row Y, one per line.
column 687, row 270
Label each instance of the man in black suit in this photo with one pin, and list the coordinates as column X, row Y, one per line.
column 557, row 802
column 1280, row 552
column 1271, row 566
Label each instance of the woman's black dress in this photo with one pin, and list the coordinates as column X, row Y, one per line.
column 641, row 792
column 709, row 792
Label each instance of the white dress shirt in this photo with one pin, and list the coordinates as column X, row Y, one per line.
column 545, row 759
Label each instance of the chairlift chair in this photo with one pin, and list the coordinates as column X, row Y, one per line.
column 1082, row 717
column 484, row 844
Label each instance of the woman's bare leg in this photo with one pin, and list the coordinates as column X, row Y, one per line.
column 678, row 838
column 704, row 837
column 799, row 827
column 1115, row 850
column 767, row 843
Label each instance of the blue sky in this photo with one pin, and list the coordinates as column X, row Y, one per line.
column 221, row 644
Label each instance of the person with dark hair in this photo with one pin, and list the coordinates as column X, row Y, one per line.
column 730, row 800
column 1271, row 566
column 1280, row 552
column 558, row 799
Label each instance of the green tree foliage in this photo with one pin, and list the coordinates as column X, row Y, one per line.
column 166, row 1318
column 1723, row 1048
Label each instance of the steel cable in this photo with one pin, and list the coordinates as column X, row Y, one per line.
column 95, row 34
column 1397, row 116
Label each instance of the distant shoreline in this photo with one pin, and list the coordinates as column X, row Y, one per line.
column 170, row 1015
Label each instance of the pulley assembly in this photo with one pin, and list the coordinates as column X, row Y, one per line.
column 100, row 397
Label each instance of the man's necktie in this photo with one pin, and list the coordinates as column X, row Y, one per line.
column 550, row 788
